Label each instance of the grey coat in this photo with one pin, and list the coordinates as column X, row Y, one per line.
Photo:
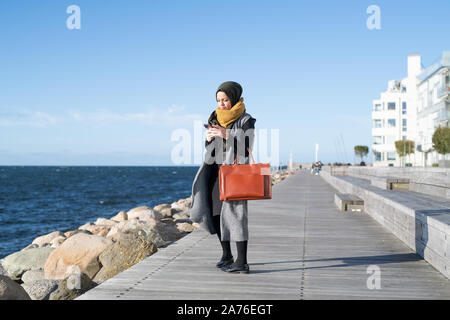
column 233, row 214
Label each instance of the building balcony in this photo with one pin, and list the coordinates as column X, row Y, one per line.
column 444, row 92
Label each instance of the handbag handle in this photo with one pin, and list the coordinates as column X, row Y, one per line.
column 251, row 155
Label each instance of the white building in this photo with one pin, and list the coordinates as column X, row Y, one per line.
column 433, row 108
column 394, row 116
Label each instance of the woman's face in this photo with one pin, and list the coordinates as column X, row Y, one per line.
column 222, row 101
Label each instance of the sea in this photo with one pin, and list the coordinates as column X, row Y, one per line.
column 36, row 200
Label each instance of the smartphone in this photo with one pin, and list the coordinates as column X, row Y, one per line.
column 207, row 126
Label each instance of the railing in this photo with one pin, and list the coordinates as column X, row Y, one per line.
column 443, row 92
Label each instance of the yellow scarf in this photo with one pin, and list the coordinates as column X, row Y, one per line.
column 225, row 117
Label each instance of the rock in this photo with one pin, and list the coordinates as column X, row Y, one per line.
column 30, row 246
column 165, row 210
column 185, row 227
column 11, row 290
column 33, row 275
column 157, row 232
column 195, row 225
column 159, row 207
column 128, row 226
column 168, row 221
column 72, row 287
column 18, row 262
column 167, row 232
column 105, row 222
column 79, row 253
column 179, row 206
column 129, row 249
column 178, row 216
column 121, row 216
column 68, row 234
column 144, row 213
column 47, row 238
column 99, row 230
column 2, row 270
column 55, row 243
column 40, row 289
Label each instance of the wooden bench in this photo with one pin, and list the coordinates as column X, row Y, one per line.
column 348, row 202
column 390, row 183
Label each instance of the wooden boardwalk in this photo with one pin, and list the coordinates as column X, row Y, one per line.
column 300, row 247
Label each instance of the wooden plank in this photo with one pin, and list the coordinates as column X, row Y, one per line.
column 299, row 248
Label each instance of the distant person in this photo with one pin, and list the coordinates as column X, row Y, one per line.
column 228, row 219
column 362, row 164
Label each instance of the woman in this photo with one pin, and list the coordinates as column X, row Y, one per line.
column 229, row 134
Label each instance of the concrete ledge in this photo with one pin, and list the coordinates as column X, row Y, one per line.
column 431, row 181
column 348, row 202
column 422, row 222
column 390, row 183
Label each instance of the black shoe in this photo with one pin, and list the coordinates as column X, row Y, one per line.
column 239, row 269
column 224, row 262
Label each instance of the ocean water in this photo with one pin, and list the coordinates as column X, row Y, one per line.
column 36, row 200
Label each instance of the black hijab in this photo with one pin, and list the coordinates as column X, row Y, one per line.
column 232, row 89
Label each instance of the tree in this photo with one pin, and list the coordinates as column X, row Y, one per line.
column 361, row 151
column 404, row 147
column 441, row 140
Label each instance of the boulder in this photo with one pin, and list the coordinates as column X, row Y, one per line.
column 40, row 289
column 180, row 217
column 165, row 210
column 79, row 253
column 129, row 249
column 72, row 287
column 99, row 230
column 2, row 270
column 156, row 232
column 18, row 262
column 33, row 275
column 30, row 246
column 105, row 222
column 11, row 290
column 47, row 238
column 180, row 206
column 144, row 213
column 128, row 226
column 185, row 227
column 121, row 216
column 70, row 233
column 55, row 243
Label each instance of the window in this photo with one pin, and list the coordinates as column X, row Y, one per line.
column 403, row 137
column 377, row 156
column 377, row 124
column 378, row 140
column 391, row 156
column 377, row 107
column 390, row 139
column 391, row 123
column 403, row 89
column 403, row 125
column 391, row 105
column 403, row 107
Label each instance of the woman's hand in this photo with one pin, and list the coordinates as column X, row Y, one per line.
column 216, row 131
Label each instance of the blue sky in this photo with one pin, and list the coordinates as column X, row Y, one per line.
column 113, row 92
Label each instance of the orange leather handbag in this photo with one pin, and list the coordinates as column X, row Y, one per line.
column 245, row 181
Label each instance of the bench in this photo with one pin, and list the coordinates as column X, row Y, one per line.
column 348, row 202
column 390, row 183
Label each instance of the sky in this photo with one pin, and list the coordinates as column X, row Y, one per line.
column 117, row 90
